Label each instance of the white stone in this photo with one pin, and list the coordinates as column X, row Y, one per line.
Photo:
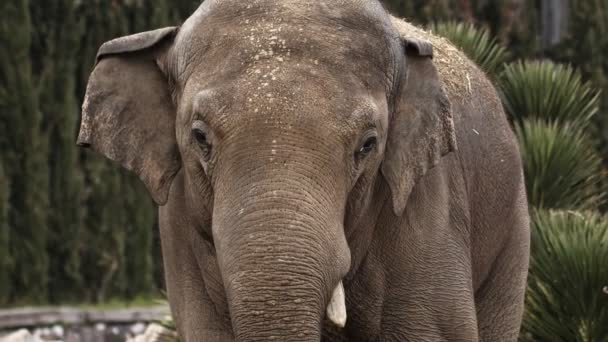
column 155, row 333
column 57, row 330
column 138, row 328
column 20, row 336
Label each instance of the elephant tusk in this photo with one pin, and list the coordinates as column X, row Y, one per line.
column 336, row 309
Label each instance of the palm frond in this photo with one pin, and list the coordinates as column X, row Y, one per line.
column 567, row 297
column 546, row 90
column 561, row 167
column 478, row 44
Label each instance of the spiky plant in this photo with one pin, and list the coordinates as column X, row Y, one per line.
column 552, row 92
column 477, row 43
column 561, row 167
column 567, row 298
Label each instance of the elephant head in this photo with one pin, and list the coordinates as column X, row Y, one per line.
column 281, row 117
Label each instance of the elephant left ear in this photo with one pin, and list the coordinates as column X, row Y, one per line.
column 421, row 129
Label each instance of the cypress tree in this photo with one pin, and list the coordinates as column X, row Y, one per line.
column 422, row 11
column 6, row 265
column 585, row 46
column 180, row 10
column 54, row 55
column 6, row 156
column 514, row 23
column 139, row 242
column 23, row 156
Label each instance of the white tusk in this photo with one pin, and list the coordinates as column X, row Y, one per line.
column 336, row 309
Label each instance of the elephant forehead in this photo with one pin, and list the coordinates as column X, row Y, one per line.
column 284, row 105
column 266, row 36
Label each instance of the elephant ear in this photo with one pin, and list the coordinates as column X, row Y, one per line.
column 128, row 115
column 421, row 129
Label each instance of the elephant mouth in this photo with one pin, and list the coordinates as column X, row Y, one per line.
column 336, row 309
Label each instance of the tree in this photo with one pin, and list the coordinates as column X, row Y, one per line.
column 24, row 155
column 6, row 262
column 54, row 58
column 584, row 45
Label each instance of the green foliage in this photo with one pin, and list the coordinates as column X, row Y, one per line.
column 561, row 167
column 585, row 46
column 553, row 110
column 55, row 60
column 139, row 267
column 477, row 44
column 549, row 91
column 102, row 247
column 514, row 23
column 567, row 297
column 421, row 10
column 6, row 262
column 24, row 149
column 78, row 228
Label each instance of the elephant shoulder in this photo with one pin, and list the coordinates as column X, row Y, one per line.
column 484, row 137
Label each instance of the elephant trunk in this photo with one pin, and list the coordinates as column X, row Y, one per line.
column 282, row 253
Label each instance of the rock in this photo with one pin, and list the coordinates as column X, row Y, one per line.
column 57, row 331
column 155, row 333
column 138, row 328
column 20, row 336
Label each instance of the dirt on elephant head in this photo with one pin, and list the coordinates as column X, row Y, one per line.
column 456, row 70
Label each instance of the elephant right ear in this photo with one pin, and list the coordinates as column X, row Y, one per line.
column 128, row 115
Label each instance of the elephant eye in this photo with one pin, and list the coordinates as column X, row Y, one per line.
column 368, row 146
column 199, row 136
column 201, row 139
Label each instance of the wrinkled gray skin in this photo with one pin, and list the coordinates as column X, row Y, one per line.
column 294, row 144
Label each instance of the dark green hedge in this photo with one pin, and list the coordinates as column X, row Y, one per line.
column 74, row 227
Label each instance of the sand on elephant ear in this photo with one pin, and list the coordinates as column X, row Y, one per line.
column 456, row 71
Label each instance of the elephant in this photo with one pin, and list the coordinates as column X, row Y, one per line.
column 324, row 171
